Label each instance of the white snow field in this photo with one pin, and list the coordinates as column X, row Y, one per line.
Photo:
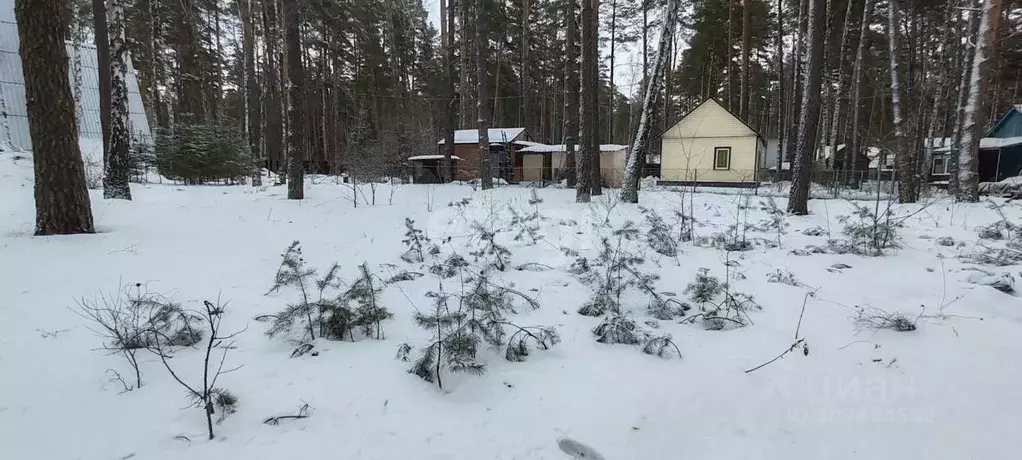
column 951, row 389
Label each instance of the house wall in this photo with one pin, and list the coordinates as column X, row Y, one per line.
column 612, row 165
column 687, row 148
column 691, row 159
column 532, row 167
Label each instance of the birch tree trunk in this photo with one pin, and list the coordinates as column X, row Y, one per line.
column 968, row 53
column 633, row 167
column 743, row 104
column 483, row 122
column 809, row 117
column 62, row 203
column 571, row 89
column 854, row 136
column 840, row 91
column 904, row 158
column 968, row 151
column 117, row 167
column 296, row 108
column 251, row 96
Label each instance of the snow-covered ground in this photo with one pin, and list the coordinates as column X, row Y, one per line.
column 948, row 390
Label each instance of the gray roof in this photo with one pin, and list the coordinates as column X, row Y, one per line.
column 13, row 113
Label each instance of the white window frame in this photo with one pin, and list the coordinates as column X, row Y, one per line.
column 944, row 162
column 716, row 166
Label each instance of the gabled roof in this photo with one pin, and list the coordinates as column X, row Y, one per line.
column 1015, row 109
column 759, row 136
column 471, row 136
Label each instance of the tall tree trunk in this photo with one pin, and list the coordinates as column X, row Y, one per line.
column 968, row 54
column 591, row 105
column 61, row 199
column 743, row 104
column 466, row 56
column 452, row 97
column 940, row 93
column 798, row 73
column 613, row 89
column 274, row 139
column 571, row 90
column 100, row 33
column 117, row 167
column 781, row 104
column 968, row 152
column 633, row 167
column 906, row 171
column 854, row 150
column 251, row 96
column 483, row 123
column 296, row 110
column 809, row 119
column 584, row 160
column 840, row 91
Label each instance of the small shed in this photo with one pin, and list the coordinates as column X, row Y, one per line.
column 504, row 146
column 550, row 162
column 426, row 169
column 710, row 145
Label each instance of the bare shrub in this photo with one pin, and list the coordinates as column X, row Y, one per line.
column 872, row 318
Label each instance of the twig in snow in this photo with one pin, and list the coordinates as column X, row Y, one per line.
column 789, row 350
column 303, row 412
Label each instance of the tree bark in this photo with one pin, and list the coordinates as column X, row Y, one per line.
column 251, row 93
column 100, row 33
column 571, row 90
column 117, row 167
column 797, row 72
column 809, row 119
column 906, row 171
column 968, row 152
column 452, row 96
column 61, row 199
column 483, row 123
column 743, row 104
column 274, row 120
column 633, row 167
column 466, row 58
column 968, row 53
column 840, row 91
column 781, row 104
column 590, row 110
column 854, row 150
column 296, row 111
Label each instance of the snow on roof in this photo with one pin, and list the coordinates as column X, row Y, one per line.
column 544, row 148
column 943, row 144
column 431, row 157
column 471, row 136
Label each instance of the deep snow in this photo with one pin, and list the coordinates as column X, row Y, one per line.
column 948, row 390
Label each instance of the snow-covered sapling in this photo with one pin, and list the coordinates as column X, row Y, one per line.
column 417, row 243
column 615, row 270
column 364, row 295
column 870, row 233
column 662, row 346
column 206, row 395
column 450, row 346
column 872, row 318
column 129, row 322
column 704, row 289
column 488, row 250
column 619, row 328
column 526, row 226
column 784, row 277
column 310, row 313
column 659, row 236
column 450, row 267
column 775, row 221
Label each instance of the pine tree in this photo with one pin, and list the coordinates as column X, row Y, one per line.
column 810, row 113
column 585, row 162
column 482, row 45
column 296, row 112
column 251, row 93
column 571, row 93
column 102, row 42
column 117, row 167
column 61, row 199
column 904, row 157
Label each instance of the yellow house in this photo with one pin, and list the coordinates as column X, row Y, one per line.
column 710, row 145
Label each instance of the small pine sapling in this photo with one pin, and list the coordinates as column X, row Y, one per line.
column 450, row 267
column 662, row 346
column 619, row 328
column 493, row 254
column 450, row 347
column 417, row 243
column 775, row 221
column 783, row 277
column 365, row 294
column 869, row 233
column 704, row 289
column 660, row 236
column 207, row 396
